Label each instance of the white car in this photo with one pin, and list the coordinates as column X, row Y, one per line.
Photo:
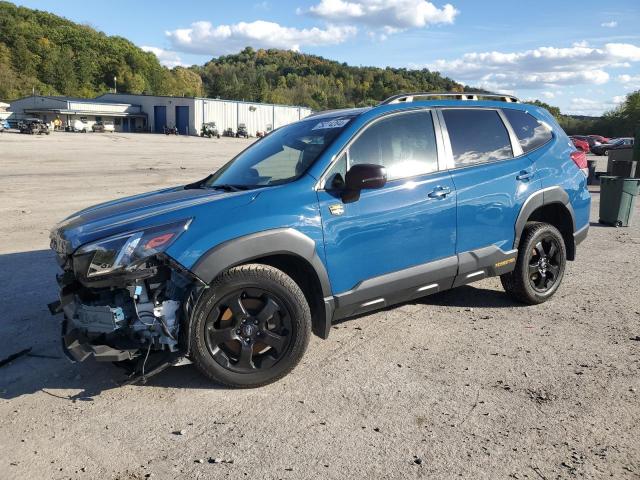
column 103, row 126
column 77, row 126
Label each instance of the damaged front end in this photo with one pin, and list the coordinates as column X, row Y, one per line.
column 121, row 296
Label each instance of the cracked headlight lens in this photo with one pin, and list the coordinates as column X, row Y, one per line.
column 127, row 250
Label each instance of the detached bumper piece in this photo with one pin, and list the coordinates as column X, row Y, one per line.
column 77, row 347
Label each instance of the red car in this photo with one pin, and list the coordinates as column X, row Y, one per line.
column 600, row 138
column 580, row 144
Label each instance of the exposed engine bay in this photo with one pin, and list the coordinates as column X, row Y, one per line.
column 123, row 316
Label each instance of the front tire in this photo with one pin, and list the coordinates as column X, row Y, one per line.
column 251, row 327
column 542, row 258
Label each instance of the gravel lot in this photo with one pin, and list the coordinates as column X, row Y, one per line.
column 463, row 384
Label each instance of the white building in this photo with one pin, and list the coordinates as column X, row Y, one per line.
column 151, row 113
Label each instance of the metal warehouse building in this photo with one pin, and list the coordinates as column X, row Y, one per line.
column 151, row 113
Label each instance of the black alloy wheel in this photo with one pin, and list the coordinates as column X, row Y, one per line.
column 544, row 263
column 248, row 330
column 542, row 258
column 250, row 327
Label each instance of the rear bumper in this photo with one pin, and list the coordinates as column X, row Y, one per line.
column 580, row 235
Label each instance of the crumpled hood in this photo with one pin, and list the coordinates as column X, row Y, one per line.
column 136, row 212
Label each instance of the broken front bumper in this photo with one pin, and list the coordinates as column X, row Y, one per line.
column 125, row 317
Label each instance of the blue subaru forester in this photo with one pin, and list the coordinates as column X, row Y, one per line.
column 338, row 214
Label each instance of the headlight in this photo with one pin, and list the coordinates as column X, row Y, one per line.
column 129, row 249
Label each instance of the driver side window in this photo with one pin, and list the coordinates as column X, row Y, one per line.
column 405, row 144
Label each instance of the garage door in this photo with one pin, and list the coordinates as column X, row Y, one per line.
column 159, row 118
column 182, row 120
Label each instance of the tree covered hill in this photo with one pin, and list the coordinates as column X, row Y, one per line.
column 282, row 76
column 54, row 56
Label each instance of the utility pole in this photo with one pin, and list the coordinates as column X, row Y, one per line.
column 115, row 84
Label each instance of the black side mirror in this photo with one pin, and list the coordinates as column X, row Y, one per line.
column 363, row 176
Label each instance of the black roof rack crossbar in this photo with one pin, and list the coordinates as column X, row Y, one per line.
column 410, row 97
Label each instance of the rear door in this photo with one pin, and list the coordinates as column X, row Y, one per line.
column 409, row 222
column 492, row 177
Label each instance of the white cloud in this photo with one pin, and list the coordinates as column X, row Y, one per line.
column 388, row 16
column 205, row 38
column 611, row 24
column 547, row 94
column 167, row 58
column 630, row 82
column 589, row 106
column 542, row 67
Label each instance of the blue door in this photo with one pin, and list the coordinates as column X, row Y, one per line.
column 182, row 120
column 125, row 124
column 159, row 118
column 401, row 225
column 492, row 177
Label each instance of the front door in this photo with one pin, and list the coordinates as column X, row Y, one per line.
column 389, row 234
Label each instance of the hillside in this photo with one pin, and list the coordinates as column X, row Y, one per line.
column 281, row 76
column 54, row 56
column 41, row 51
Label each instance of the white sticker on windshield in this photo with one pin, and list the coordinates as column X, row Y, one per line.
column 340, row 122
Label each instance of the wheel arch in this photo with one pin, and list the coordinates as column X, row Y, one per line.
column 552, row 206
column 286, row 249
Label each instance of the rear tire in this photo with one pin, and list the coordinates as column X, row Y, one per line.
column 251, row 327
column 542, row 258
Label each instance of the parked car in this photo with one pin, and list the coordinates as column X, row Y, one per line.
column 209, row 130
column 580, row 144
column 228, row 132
column 76, row 126
column 4, row 125
column 600, row 138
column 615, row 144
column 242, row 131
column 335, row 215
column 585, row 138
column 263, row 133
column 103, row 126
column 33, row 126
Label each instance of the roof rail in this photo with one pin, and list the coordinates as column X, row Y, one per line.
column 410, row 97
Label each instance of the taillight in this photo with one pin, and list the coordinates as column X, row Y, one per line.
column 580, row 159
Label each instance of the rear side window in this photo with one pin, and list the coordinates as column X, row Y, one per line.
column 404, row 144
column 531, row 132
column 477, row 136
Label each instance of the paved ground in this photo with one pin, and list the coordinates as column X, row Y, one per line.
column 463, row 384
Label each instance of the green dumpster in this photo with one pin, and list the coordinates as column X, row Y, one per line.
column 618, row 199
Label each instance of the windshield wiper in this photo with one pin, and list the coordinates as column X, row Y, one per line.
column 227, row 187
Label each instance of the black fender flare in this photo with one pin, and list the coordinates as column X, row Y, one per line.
column 287, row 241
column 546, row 196
column 279, row 241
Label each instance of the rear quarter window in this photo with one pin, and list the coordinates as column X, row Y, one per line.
column 531, row 132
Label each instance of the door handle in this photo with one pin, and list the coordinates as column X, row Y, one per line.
column 439, row 192
column 524, row 175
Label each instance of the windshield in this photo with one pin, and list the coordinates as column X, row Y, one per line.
column 282, row 156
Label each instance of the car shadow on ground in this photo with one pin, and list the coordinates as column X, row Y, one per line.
column 466, row 296
column 469, row 296
column 28, row 285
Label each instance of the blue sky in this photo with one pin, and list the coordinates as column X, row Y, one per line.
column 582, row 56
